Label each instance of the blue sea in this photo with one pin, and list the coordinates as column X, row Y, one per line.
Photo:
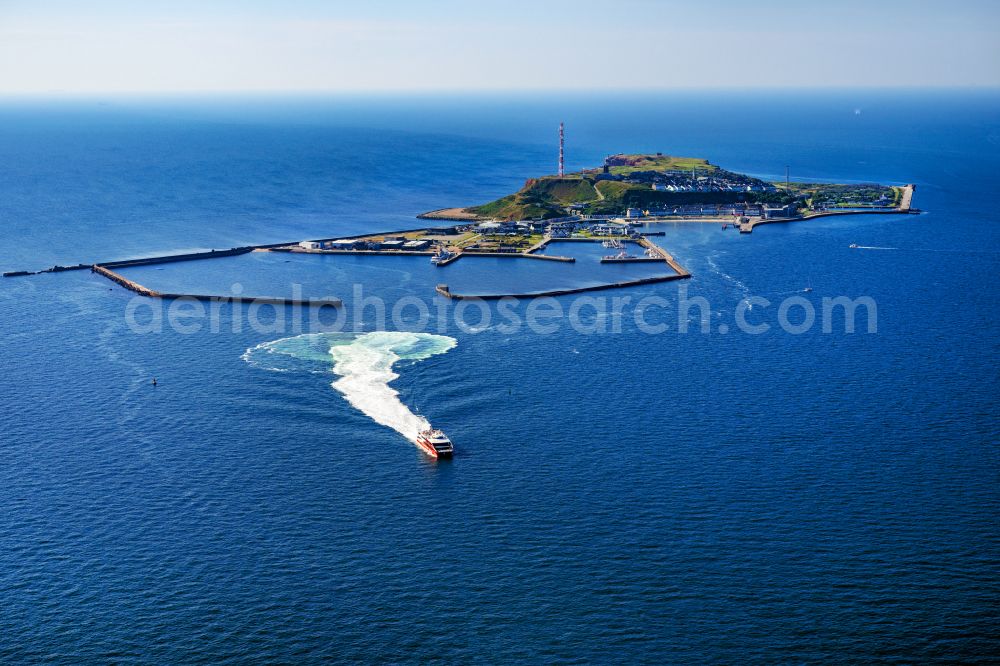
column 617, row 495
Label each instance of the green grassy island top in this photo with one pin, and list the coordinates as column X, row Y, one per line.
column 658, row 182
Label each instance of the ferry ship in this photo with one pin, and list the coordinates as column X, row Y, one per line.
column 435, row 443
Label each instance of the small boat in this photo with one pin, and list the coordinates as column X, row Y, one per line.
column 621, row 255
column 807, row 289
column 442, row 257
column 853, row 246
column 435, row 443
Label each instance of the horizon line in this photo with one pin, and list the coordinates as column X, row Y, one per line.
column 548, row 91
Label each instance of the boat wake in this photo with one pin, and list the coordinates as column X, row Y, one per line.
column 872, row 247
column 364, row 362
column 743, row 289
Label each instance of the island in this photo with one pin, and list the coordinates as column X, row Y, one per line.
column 616, row 205
column 664, row 187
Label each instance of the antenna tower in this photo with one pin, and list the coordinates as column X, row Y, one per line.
column 562, row 142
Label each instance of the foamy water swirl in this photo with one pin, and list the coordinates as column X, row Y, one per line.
column 364, row 362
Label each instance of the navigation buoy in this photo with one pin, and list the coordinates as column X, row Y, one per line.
column 154, row 381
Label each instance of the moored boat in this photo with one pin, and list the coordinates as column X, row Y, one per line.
column 442, row 257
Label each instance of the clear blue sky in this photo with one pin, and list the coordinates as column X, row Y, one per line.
column 266, row 45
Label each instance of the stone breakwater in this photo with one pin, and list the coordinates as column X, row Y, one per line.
column 137, row 288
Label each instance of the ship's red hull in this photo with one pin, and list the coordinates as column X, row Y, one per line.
column 429, row 449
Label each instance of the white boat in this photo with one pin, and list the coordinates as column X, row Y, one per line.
column 620, row 256
column 435, row 443
column 442, row 257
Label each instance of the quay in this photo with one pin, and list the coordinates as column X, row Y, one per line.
column 516, row 255
column 301, row 250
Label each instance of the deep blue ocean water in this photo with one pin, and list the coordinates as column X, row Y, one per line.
column 622, row 497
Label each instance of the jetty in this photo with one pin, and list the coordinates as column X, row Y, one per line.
column 666, row 257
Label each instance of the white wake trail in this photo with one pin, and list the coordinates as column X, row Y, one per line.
column 364, row 363
column 365, row 369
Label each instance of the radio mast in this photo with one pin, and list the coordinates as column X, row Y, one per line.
column 562, row 142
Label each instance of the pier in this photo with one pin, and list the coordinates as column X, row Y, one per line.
column 665, row 256
column 630, row 260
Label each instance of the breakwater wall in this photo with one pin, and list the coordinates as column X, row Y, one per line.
column 125, row 282
column 171, row 258
column 445, row 291
column 143, row 261
column 133, row 286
